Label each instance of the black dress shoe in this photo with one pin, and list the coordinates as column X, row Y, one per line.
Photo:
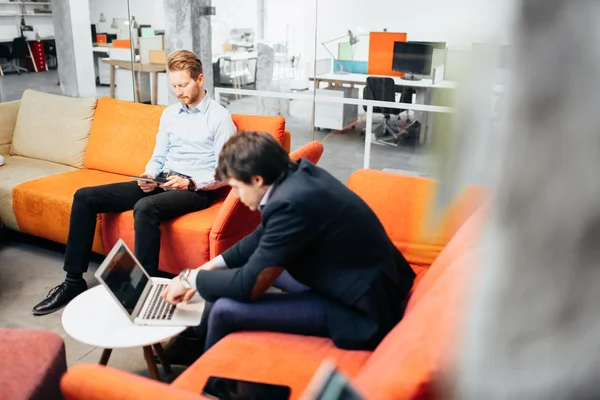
column 59, row 297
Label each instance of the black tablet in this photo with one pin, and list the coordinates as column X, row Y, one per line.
column 235, row 389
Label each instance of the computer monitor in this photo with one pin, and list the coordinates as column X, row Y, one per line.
column 94, row 33
column 436, row 45
column 412, row 58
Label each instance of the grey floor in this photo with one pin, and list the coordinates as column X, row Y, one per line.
column 30, row 267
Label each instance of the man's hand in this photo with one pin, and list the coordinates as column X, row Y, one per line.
column 175, row 293
column 147, row 187
column 176, row 183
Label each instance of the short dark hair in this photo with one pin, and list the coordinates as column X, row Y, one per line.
column 247, row 154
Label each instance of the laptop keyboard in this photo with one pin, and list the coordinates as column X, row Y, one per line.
column 158, row 308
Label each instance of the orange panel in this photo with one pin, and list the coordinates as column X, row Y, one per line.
column 43, row 206
column 122, row 137
column 381, row 52
column 184, row 240
column 121, row 44
column 269, row 357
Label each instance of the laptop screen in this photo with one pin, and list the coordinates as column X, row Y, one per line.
column 125, row 278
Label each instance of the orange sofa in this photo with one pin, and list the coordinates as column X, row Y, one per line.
column 407, row 362
column 55, row 145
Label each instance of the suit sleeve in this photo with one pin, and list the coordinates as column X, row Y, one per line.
column 239, row 254
column 286, row 235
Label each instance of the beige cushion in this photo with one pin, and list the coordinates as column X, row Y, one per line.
column 17, row 170
column 53, row 128
column 8, row 119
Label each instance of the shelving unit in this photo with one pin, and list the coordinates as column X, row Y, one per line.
column 11, row 13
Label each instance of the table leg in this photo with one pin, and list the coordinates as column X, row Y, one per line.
column 136, row 85
column 154, row 83
column 152, row 368
column 421, row 116
column 112, row 81
column 162, row 356
column 35, row 68
column 105, row 356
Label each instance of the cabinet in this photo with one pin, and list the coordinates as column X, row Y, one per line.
column 335, row 116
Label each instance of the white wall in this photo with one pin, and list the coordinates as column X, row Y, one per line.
column 458, row 23
column 146, row 12
column 231, row 14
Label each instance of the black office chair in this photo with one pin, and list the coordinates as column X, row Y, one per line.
column 382, row 89
column 5, row 54
column 19, row 51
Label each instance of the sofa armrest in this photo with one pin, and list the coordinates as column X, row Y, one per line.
column 287, row 140
column 8, row 121
column 96, row 382
column 233, row 222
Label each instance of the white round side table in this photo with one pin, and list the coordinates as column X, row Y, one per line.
column 95, row 318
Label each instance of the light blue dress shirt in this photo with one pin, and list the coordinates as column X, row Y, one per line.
column 189, row 141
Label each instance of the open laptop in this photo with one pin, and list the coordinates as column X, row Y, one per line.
column 139, row 295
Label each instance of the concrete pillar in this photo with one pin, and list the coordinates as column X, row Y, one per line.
column 532, row 333
column 71, row 20
column 187, row 29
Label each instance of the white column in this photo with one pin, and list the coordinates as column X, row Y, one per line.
column 73, row 35
column 260, row 23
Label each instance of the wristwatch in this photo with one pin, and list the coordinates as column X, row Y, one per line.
column 191, row 185
column 183, row 278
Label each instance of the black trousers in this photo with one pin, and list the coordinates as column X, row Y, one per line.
column 149, row 209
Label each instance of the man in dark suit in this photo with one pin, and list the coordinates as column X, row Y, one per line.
column 318, row 241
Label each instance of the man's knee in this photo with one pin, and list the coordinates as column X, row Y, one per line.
column 144, row 208
column 222, row 311
column 84, row 195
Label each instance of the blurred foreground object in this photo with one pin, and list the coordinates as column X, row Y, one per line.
column 534, row 327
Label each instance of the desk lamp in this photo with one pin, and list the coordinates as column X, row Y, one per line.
column 353, row 41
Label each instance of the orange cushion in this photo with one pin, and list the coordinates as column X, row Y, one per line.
column 423, row 344
column 43, row 206
column 184, row 241
column 273, row 125
column 122, row 137
column 269, row 357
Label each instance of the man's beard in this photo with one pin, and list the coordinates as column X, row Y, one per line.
column 191, row 99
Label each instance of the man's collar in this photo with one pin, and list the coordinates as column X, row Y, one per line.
column 200, row 108
column 265, row 198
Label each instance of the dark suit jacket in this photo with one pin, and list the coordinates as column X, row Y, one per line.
column 329, row 239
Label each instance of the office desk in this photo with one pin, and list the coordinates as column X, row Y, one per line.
column 361, row 79
column 152, row 69
column 423, row 88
